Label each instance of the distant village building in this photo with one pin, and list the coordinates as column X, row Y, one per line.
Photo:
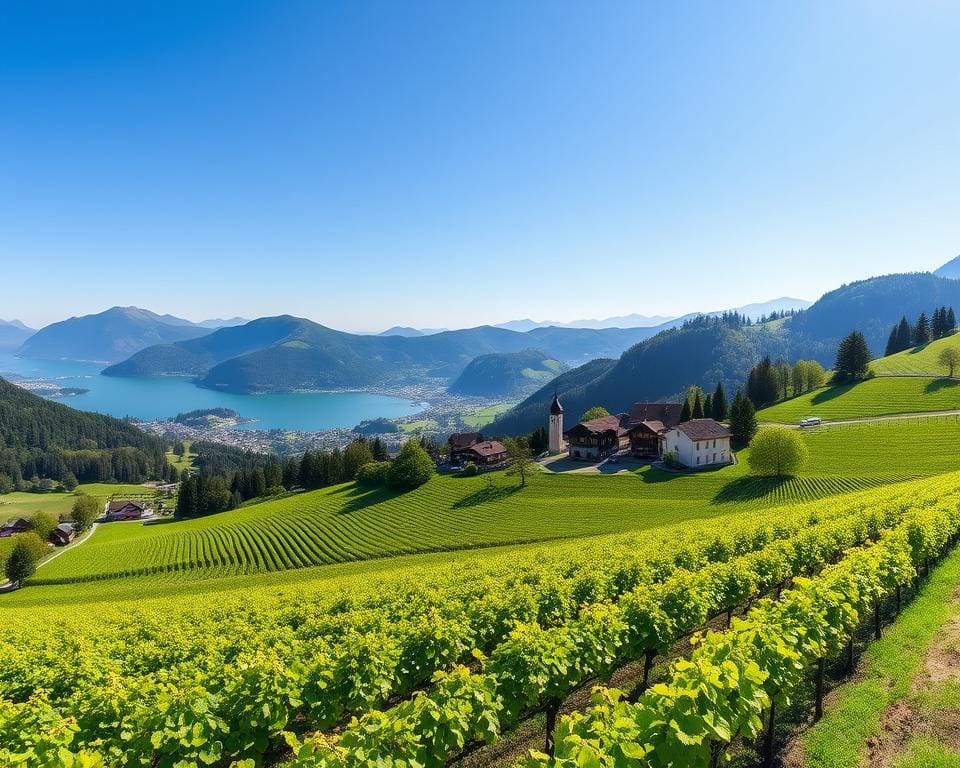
column 699, row 443
column 20, row 525
column 127, row 510
column 63, row 534
column 555, row 441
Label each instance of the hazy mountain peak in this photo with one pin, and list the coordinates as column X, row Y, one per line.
column 949, row 270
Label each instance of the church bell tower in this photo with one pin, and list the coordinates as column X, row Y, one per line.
column 556, row 425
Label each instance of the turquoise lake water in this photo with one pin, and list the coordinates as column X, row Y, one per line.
column 160, row 397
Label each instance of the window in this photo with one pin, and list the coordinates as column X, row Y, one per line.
column 698, row 459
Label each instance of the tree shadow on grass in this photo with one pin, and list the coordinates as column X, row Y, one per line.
column 358, row 497
column 487, row 494
column 937, row 384
column 749, row 489
column 831, row 393
column 919, row 348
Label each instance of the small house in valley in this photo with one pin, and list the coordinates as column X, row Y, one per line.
column 63, row 534
column 699, row 443
column 20, row 525
column 486, row 455
column 127, row 510
column 459, row 442
column 648, row 424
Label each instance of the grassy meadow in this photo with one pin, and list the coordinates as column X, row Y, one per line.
column 881, row 396
column 920, row 360
column 482, row 416
column 346, row 523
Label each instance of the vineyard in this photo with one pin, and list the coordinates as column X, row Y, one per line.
column 419, row 667
column 882, row 396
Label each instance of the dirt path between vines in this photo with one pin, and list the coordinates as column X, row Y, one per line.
column 905, row 720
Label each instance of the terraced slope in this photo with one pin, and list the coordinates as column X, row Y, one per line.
column 345, row 523
column 882, row 396
column 917, row 361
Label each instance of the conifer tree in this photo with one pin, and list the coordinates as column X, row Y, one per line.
column 708, row 407
column 904, row 334
column 685, row 412
column 697, row 412
column 743, row 420
column 921, row 331
column 951, row 320
column 719, row 405
column 891, row 347
column 853, row 358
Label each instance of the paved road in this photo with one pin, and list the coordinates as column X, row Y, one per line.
column 892, row 417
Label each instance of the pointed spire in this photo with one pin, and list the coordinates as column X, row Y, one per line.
column 555, row 407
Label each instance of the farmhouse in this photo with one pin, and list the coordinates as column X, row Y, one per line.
column 127, row 510
column 642, row 431
column 489, row 453
column 598, row 438
column 63, row 534
column 20, row 525
column 699, row 443
column 459, row 442
column 648, row 423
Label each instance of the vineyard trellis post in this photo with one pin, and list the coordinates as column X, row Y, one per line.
column 876, row 620
column 770, row 740
column 818, row 711
column 553, row 708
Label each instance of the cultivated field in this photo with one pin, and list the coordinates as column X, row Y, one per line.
column 882, row 396
column 345, row 523
column 919, row 360
column 305, row 651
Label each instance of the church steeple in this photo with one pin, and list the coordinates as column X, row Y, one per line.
column 556, row 425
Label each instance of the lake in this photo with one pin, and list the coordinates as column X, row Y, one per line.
column 160, row 397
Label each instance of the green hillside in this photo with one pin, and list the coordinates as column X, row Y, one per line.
column 346, row 523
column 918, row 360
column 507, row 374
column 881, row 396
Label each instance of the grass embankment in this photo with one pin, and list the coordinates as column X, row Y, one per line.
column 346, row 523
column 881, row 396
column 854, row 721
column 918, row 360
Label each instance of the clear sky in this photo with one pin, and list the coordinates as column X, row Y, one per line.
column 366, row 164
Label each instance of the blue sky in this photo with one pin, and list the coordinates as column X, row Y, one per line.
column 367, row 164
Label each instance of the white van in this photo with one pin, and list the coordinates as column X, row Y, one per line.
column 811, row 421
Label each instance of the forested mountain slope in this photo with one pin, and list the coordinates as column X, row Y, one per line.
column 13, row 334
column 39, row 438
column 507, row 374
column 703, row 352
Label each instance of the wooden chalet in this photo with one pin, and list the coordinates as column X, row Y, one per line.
column 460, row 443
column 63, row 534
column 127, row 510
column 486, row 455
column 596, row 439
column 20, row 525
column 649, row 423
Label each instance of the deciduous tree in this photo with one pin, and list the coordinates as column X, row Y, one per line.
column 596, row 412
column 27, row 550
column 518, row 456
column 949, row 358
column 778, row 451
column 412, row 467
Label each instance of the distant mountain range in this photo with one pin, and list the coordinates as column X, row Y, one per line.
column 950, row 270
column 109, row 336
column 284, row 354
column 12, row 334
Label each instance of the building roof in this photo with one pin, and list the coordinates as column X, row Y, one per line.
column 488, row 448
column 668, row 414
column 65, row 527
column 614, row 423
column 460, row 440
column 555, row 408
column 703, row 429
column 116, row 506
column 653, row 426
